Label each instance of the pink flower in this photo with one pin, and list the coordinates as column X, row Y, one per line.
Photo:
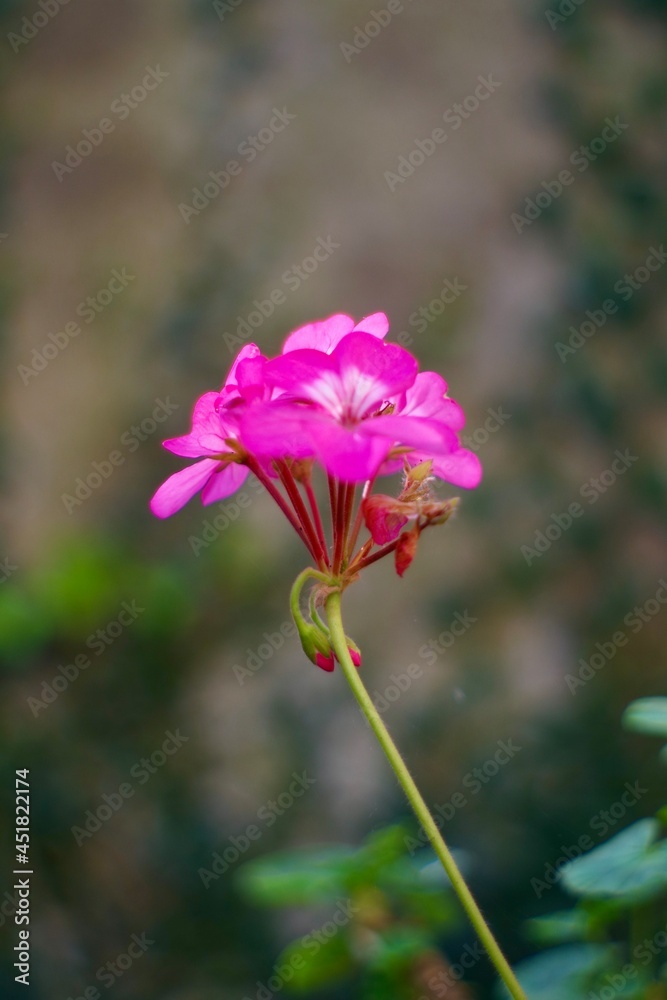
column 340, row 408
column 214, row 434
column 339, row 394
column 217, row 475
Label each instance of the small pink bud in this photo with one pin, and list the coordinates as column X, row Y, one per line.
column 355, row 656
column 325, row 662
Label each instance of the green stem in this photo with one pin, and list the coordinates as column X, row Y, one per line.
column 297, row 587
column 415, row 798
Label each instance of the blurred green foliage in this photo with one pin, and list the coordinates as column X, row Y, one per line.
column 395, row 907
column 621, row 915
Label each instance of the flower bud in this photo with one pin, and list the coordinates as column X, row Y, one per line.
column 325, row 662
column 418, row 473
column 354, row 651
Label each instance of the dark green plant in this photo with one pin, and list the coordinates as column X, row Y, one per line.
column 613, row 943
column 381, row 913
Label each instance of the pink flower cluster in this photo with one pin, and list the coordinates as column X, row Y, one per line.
column 338, row 394
column 340, row 397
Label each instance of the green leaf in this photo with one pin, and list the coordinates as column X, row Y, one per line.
column 562, row 973
column 630, row 866
column 647, row 715
column 559, row 927
column 22, row 626
column 380, row 850
column 297, row 878
column 397, row 947
column 316, row 964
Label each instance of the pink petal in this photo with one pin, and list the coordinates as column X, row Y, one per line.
column 372, row 371
column 309, row 375
column 377, row 324
column 320, row 336
column 383, row 518
column 299, row 371
column 462, row 468
column 405, row 550
column 250, row 378
column 426, row 398
column 207, row 434
column 247, row 351
column 225, row 482
column 450, row 413
column 181, row 487
column 346, row 453
column 414, row 432
column 277, row 429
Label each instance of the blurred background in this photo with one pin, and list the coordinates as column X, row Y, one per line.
column 132, row 276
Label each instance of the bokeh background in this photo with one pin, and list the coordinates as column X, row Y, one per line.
column 545, row 424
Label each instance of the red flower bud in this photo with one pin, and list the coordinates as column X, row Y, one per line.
column 325, row 662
